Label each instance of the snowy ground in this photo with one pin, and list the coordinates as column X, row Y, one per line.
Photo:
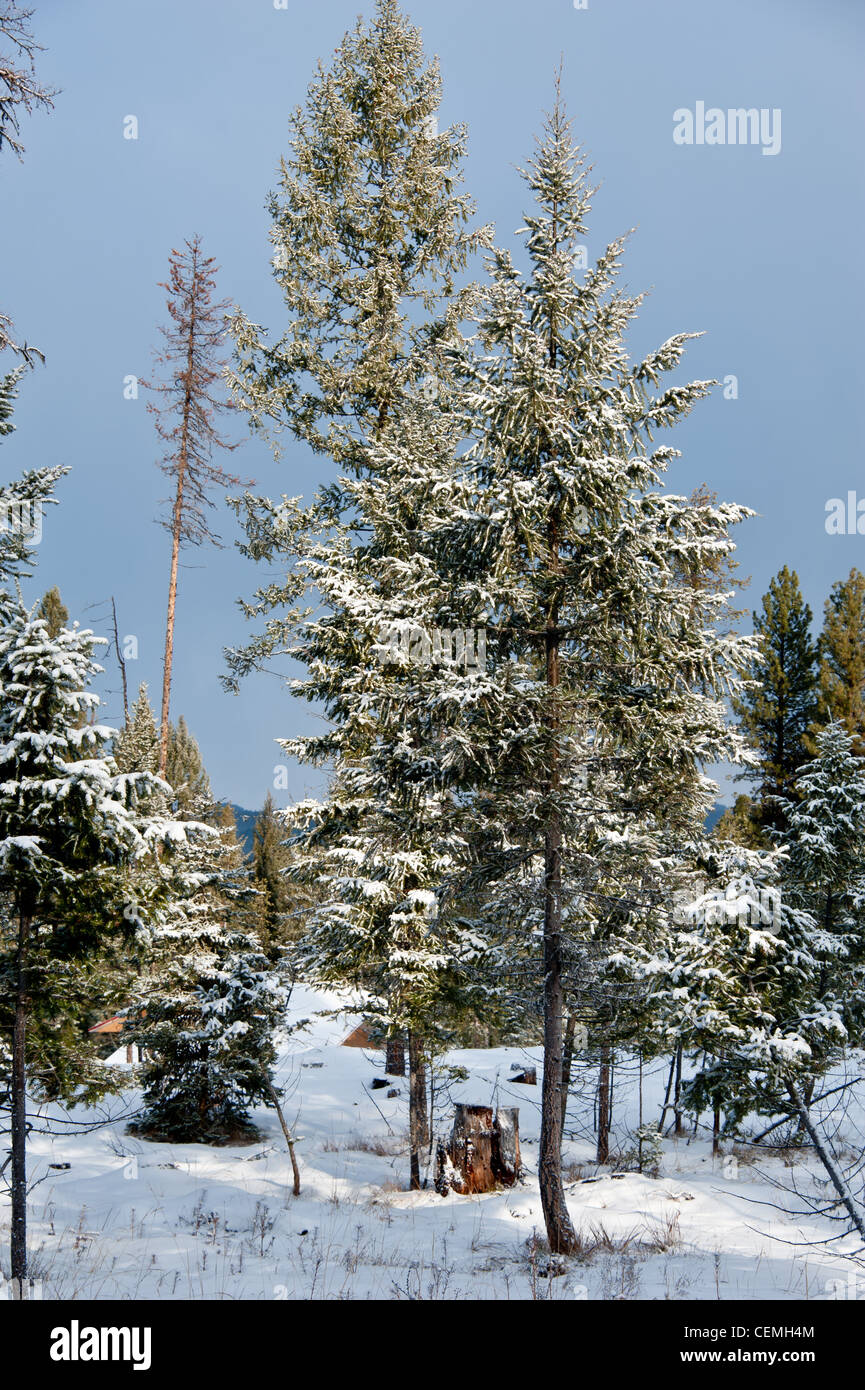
column 132, row 1219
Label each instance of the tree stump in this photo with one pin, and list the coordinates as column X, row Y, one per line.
column 506, row 1145
column 483, row 1152
column 527, row 1077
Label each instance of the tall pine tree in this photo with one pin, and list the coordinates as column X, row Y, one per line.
column 842, row 657
column 778, row 711
column 370, row 238
column 607, row 669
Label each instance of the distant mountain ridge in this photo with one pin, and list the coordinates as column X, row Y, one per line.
column 246, row 822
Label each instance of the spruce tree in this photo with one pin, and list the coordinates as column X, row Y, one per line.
column 136, row 747
column 825, row 843
column 270, row 860
column 54, row 611
column 211, row 1004
column 842, row 658
column 73, row 837
column 185, row 771
column 23, row 502
column 369, row 235
column 777, row 713
column 607, row 669
column 370, row 238
column 734, row 978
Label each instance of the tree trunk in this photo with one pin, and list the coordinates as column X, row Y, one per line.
column 640, row 1111
column 716, row 1131
column 807, row 1098
column 677, row 1094
column 603, row 1152
column 394, row 1057
column 560, row 1232
column 418, row 1114
column 289, row 1137
column 567, row 1061
column 840, row 1186
column 176, row 530
column 18, row 1244
column 121, row 663
column 665, row 1107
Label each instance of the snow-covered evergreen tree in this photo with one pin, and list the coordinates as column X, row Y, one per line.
column 763, row 972
column 186, row 772
column 54, row 611
column 22, row 502
column 824, row 875
column 733, row 980
column 779, row 709
column 208, row 1010
column 842, row 657
column 136, row 747
column 607, row 671
column 74, row 839
column 386, row 657
column 370, row 237
column 270, row 861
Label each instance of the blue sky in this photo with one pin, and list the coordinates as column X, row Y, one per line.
column 762, row 252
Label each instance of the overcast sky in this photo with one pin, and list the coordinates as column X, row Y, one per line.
column 762, row 251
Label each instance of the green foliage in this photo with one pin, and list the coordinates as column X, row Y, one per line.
column 54, row 611
column 74, row 839
column 741, row 825
column 209, row 1008
column 185, row 771
column 369, row 234
column 778, row 712
column 842, row 658
column 270, row 860
column 136, row 747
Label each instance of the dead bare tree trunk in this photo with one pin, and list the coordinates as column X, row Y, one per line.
column 567, row 1062
column 176, row 530
column 193, row 339
column 18, row 1243
column 665, row 1107
column 603, row 1151
column 289, row 1137
column 120, row 662
column 418, row 1113
column 852, row 1208
column 677, row 1094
